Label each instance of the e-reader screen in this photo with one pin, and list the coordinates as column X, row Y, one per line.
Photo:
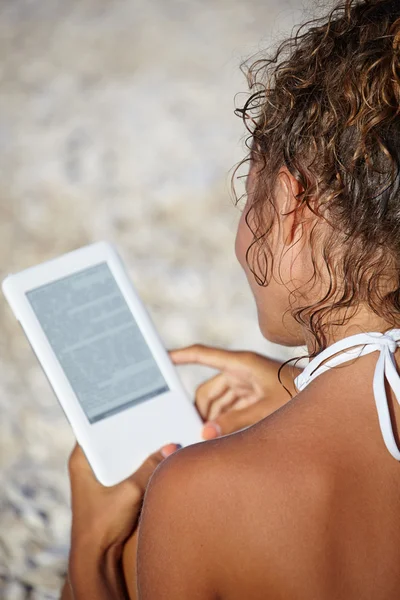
column 97, row 341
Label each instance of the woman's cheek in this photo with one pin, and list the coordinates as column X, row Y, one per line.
column 243, row 239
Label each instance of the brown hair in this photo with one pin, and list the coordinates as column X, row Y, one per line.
column 327, row 106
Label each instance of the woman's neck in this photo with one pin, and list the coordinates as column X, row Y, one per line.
column 351, row 382
column 362, row 322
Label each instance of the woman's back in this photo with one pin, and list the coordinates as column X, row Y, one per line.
column 310, row 498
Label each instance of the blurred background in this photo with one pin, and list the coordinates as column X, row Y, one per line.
column 117, row 122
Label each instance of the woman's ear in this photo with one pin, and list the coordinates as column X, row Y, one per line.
column 291, row 214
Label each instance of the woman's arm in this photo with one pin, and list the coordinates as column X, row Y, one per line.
column 128, row 568
column 96, row 574
column 104, row 520
column 66, row 592
column 177, row 556
column 129, row 565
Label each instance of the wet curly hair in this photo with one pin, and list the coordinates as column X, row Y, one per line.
column 326, row 106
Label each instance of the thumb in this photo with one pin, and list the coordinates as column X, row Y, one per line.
column 234, row 420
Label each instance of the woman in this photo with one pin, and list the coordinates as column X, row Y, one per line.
column 306, row 502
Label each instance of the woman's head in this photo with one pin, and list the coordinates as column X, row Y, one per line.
column 319, row 236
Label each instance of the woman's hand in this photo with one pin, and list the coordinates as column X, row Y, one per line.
column 103, row 519
column 107, row 516
column 245, row 390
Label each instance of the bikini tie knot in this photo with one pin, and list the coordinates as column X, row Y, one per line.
column 388, row 340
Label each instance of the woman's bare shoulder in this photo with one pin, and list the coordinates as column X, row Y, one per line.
column 234, row 499
column 264, row 461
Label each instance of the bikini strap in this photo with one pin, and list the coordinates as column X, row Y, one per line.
column 385, row 367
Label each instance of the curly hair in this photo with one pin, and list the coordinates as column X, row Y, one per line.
column 327, row 107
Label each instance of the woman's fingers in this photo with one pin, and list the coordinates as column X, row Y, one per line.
column 208, row 392
column 234, row 420
column 217, row 358
column 225, row 402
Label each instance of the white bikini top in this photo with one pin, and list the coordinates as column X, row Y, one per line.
column 385, row 367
